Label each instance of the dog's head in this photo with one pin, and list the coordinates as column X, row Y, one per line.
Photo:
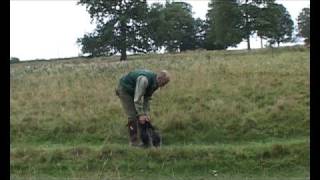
column 154, row 135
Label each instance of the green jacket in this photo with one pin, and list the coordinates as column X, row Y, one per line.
column 140, row 85
column 129, row 81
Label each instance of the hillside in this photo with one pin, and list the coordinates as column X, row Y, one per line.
column 242, row 114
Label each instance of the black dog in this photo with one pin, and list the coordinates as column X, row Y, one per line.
column 149, row 135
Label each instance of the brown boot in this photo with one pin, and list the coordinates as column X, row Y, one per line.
column 133, row 133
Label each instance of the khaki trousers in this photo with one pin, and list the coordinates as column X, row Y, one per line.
column 130, row 110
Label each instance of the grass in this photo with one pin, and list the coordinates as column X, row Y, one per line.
column 242, row 114
column 187, row 160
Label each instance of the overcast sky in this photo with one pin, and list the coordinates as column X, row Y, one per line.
column 44, row 29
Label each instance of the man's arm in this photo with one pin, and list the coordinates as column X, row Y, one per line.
column 141, row 85
column 146, row 104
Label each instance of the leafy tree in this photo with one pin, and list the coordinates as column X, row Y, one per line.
column 93, row 44
column 275, row 23
column 200, row 27
column 283, row 25
column 304, row 24
column 224, row 24
column 264, row 23
column 173, row 26
column 14, row 60
column 157, row 26
column 121, row 27
column 250, row 11
column 186, row 24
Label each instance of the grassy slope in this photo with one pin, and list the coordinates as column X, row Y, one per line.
column 242, row 114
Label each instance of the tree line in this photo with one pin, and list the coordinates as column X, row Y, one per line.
column 134, row 26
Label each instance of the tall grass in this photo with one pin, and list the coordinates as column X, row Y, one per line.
column 215, row 98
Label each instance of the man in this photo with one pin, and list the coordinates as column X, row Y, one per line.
column 135, row 90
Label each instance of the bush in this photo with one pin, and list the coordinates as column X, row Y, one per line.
column 14, row 60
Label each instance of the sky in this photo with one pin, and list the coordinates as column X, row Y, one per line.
column 45, row 29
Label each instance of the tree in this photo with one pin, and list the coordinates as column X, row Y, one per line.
column 94, row 44
column 264, row 23
column 200, row 33
column 121, row 27
column 275, row 23
column 250, row 11
column 304, row 24
column 183, row 26
column 173, row 26
column 157, row 26
column 283, row 25
column 224, row 24
column 14, row 60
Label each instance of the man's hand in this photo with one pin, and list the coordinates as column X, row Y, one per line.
column 143, row 119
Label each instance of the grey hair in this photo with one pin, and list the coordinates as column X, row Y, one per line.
column 165, row 74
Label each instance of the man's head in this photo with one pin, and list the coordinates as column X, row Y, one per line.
column 163, row 78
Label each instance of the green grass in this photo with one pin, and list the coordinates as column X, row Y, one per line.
column 243, row 114
column 279, row 158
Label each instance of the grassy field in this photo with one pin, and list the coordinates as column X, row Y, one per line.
column 224, row 115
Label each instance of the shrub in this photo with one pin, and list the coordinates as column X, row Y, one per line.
column 14, row 60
